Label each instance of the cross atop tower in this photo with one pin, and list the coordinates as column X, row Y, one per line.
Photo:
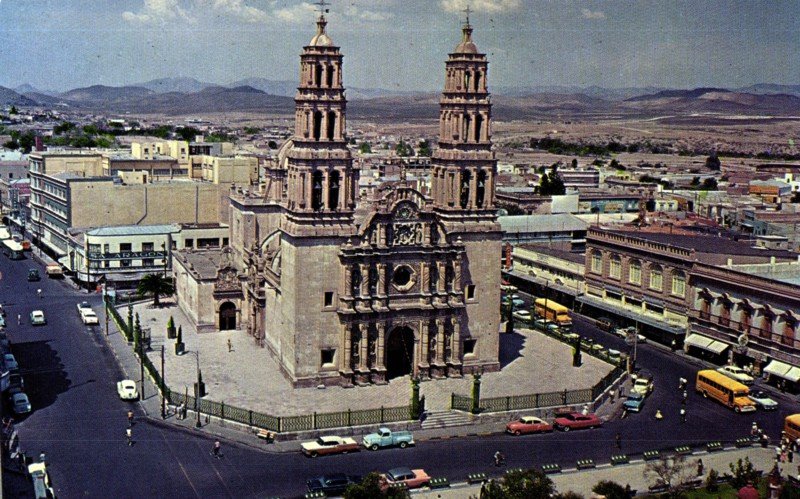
column 467, row 11
column 322, row 10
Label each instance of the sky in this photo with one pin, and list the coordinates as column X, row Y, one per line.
column 402, row 44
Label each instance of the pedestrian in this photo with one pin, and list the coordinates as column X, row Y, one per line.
column 681, row 383
column 673, row 345
column 683, row 415
column 42, row 458
column 129, row 436
column 754, row 429
column 659, row 416
column 628, row 490
column 585, row 410
column 215, row 450
column 230, row 345
column 39, row 292
column 618, row 440
column 620, row 391
column 19, row 319
column 685, row 396
column 130, row 418
column 700, row 467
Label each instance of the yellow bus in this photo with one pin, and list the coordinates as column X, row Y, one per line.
column 724, row 390
column 553, row 311
column 791, row 425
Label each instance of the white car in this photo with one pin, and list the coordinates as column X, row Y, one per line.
column 89, row 317
column 84, row 305
column 126, row 389
column 37, row 318
column 737, row 373
column 622, row 332
column 522, row 315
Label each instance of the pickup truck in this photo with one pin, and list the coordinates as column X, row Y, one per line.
column 387, row 438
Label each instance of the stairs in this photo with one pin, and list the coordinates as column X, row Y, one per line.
column 445, row 419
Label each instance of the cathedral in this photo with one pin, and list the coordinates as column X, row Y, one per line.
column 345, row 290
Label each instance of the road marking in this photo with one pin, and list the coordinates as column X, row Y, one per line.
column 177, row 460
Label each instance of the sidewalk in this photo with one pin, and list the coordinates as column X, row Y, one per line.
column 581, row 482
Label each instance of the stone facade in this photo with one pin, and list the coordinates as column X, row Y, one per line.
column 348, row 290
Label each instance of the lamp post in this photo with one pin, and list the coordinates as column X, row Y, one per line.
column 198, row 389
column 163, row 387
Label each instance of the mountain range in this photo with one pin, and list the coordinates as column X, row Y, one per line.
column 181, row 96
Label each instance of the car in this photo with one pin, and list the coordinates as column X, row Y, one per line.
column 329, row 445
column 763, row 400
column 522, row 315
column 412, row 479
column 20, row 403
column 84, row 305
column 2, row 321
column 15, row 381
column 623, row 332
column 33, row 275
column 10, row 362
column 89, row 317
column 126, row 389
column 37, row 318
column 643, row 384
column 334, row 484
column 42, row 488
column 634, row 402
column 543, row 324
column 576, row 421
column 604, row 323
column 737, row 373
column 528, row 424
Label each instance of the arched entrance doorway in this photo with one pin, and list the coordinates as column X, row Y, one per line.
column 399, row 352
column 227, row 316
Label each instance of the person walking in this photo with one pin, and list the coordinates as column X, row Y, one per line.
column 700, row 467
column 659, row 416
column 129, row 436
column 215, row 450
column 618, row 441
column 230, row 346
column 39, row 292
column 685, row 396
column 683, row 415
column 130, row 418
column 681, row 383
column 19, row 319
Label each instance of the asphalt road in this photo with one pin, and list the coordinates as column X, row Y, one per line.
column 79, row 422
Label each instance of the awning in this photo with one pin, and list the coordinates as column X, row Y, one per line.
column 783, row 370
column 710, row 344
column 597, row 302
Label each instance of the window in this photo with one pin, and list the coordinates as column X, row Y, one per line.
column 189, row 243
column 106, row 248
column 124, row 247
column 147, row 246
column 148, row 262
column 597, row 262
column 470, row 292
column 635, row 272
column 224, row 241
column 469, row 347
column 210, row 242
column 328, row 299
column 124, row 263
column 327, row 357
column 656, row 278
column 615, row 267
column 94, row 248
column 679, row 285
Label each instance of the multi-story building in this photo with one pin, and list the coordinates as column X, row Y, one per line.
column 642, row 277
column 557, row 228
column 349, row 291
column 580, row 179
column 155, row 167
column 545, row 270
column 748, row 314
column 238, row 169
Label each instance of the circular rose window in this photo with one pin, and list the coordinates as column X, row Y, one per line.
column 403, row 277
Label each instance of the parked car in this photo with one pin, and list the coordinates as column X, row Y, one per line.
column 33, row 275
column 10, row 362
column 20, row 403
column 89, row 317
column 387, row 438
column 528, row 424
column 643, row 382
column 622, row 332
column 763, row 400
column 411, row 478
column 604, row 323
column 37, row 318
column 84, row 305
column 634, row 402
column 329, row 445
column 332, row 485
column 577, row 421
column 2, row 321
column 126, row 389
column 522, row 315
column 15, row 381
column 737, row 373
column 42, row 488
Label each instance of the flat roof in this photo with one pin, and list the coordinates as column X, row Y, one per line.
column 134, row 230
column 559, row 222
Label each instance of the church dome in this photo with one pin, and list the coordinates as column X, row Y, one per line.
column 321, row 38
column 467, row 46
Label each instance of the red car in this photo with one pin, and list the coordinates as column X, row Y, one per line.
column 528, row 424
column 577, row 421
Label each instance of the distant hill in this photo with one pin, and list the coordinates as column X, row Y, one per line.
column 215, row 99
column 9, row 97
column 179, row 84
column 677, row 94
column 771, row 88
column 97, row 94
column 715, row 100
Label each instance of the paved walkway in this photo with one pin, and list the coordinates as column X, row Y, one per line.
column 248, row 376
column 633, row 474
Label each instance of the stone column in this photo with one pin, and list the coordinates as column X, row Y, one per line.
column 441, row 281
column 364, row 279
column 346, row 360
column 326, row 178
column 424, row 344
column 381, row 280
column 381, row 345
column 455, row 340
column 425, row 278
column 438, row 367
column 456, row 285
column 348, row 281
column 473, row 190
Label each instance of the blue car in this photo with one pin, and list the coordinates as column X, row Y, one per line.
column 634, row 402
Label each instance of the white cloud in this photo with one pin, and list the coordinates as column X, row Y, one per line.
column 158, row 12
column 490, row 6
column 593, row 14
column 240, row 10
column 301, row 13
column 367, row 15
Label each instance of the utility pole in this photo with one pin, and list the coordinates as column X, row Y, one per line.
column 163, row 387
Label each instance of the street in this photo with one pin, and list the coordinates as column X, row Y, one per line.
column 79, row 422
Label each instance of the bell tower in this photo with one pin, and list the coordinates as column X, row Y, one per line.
column 464, row 165
column 322, row 183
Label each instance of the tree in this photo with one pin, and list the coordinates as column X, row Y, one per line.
column 695, row 181
column 709, row 184
column 13, row 110
column 373, row 485
column 743, row 472
column 523, row 484
column 187, row 133
column 574, row 163
column 671, row 472
column 63, row 127
column 713, row 162
column 424, row 148
column 610, row 490
column 544, row 185
column 157, row 285
column 365, row 148
column 272, row 145
column 91, row 130
column 403, row 149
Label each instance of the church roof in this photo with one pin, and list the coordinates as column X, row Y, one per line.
column 467, row 46
column 321, row 38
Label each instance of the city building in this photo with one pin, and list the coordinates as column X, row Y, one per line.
column 556, row 228
column 345, row 290
column 548, row 270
